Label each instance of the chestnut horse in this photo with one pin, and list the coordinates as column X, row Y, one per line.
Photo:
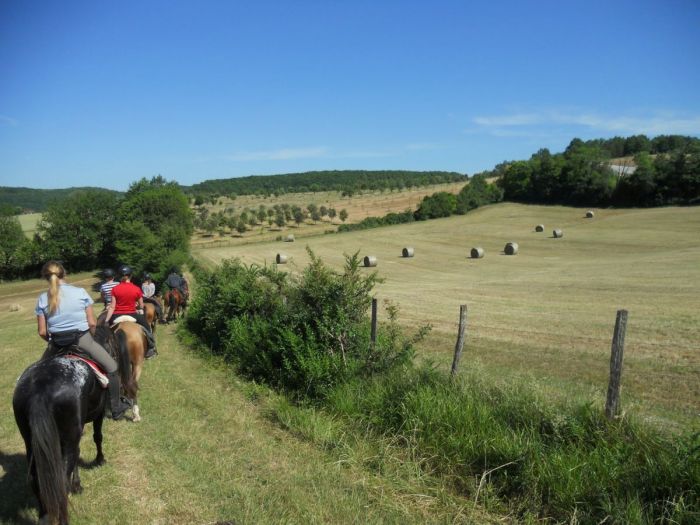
column 176, row 304
column 134, row 344
column 53, row 400
column 149, row 311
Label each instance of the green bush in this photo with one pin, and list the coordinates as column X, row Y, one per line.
column 303, row 334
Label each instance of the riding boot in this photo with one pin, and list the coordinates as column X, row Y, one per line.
column 151, row 351
column 118, row 406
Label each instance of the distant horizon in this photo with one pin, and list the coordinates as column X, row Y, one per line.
column 103, row 95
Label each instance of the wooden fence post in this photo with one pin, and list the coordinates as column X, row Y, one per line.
column 374, row 321
column 460, row 338
column 618, row 347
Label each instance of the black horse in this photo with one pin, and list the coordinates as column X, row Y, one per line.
column 53, row 400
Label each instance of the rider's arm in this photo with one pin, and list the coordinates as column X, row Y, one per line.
column 110, row 310
column 41, row 327
column 140, row 303
column 90, row 318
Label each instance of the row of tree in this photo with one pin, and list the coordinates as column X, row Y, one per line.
column 583, row 175
column 346, row 181
column 279, row 215
column 148, row 228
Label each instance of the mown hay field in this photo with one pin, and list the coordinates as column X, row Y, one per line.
column 545, row 315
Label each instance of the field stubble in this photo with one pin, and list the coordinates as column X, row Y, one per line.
column 546, row 314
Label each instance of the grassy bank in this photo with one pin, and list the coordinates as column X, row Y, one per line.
column 524, row 454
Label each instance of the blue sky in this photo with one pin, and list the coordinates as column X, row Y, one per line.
column 104, row 93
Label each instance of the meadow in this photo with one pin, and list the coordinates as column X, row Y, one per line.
column 210, row 449
column 546, row 315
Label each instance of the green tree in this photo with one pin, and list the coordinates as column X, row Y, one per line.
column 343, row 215
column 332, row 213
column 440, row 204
column 14, row 247
column 79, row 230
column 153, row 228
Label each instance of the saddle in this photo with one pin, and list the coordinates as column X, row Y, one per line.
column 72, row 351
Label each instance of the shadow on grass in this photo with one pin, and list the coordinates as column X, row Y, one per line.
column 17, row 502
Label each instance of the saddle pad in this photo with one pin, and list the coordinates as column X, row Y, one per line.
column 124, row 319
column 101, row 377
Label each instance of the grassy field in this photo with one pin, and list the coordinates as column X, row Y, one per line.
column 29, row 221
column 210, row 449
column 547, row 314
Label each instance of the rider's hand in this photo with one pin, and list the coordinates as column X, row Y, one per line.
column 139, row 311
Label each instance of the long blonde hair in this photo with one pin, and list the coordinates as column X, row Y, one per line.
column 53, row 272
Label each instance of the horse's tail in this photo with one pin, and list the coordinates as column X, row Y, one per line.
column 130, row 387
column 46, row 455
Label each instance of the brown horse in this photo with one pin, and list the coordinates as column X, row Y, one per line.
column 151, row 314
column 135, row 344
column 176, row 304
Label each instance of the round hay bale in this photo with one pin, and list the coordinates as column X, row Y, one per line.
column 289, row 238
column 477, row 252
column 511, row 248
column 370, row 260
column 15, row 308
column 539, row 228
column 281, row 258
column 590, row 214
column 557, row 233
column 407, row 252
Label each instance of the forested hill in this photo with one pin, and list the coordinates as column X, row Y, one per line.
column 348, row 181
column 36, row 200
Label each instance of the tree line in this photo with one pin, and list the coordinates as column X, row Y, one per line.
column 148, row 228
column 348, row 182
column 665, row 171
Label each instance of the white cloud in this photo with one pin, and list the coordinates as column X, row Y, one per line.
column 652, row 124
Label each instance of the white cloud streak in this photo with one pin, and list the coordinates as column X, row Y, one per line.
column 656, row 124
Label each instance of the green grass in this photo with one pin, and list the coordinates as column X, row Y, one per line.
column 210, row 449
column 548, row 313
column 29, row 222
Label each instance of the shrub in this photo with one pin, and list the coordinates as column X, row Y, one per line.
column 303, row 334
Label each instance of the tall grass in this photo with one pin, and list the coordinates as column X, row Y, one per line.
column 544, row 460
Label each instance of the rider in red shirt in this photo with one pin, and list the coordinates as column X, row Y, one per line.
column 125, row 296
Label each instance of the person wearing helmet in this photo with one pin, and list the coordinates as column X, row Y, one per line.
column 107, row 285
column 125, row 297
column 148, row 288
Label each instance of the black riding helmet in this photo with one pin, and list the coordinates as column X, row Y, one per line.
column 125, row 270
column 108, row 272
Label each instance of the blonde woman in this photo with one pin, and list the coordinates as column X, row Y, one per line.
column 64, row 316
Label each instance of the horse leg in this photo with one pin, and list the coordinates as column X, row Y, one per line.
column 97, row 438
column 136, row 369
column 71, row 447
